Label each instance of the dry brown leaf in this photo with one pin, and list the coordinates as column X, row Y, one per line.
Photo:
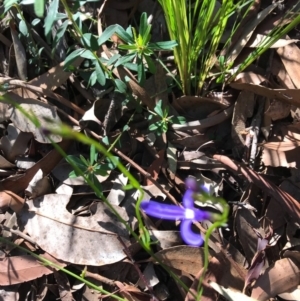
column 257, row 39
column 289, row 205
column 290, row 57
column 280, row 277
column 278, row 110
column 282, row 146
column 248, row 31
column 279, row 71
column 290, row 96
column 46, row 164
column 50, row 224
column 8, row 199
column 18, row 269
column 184, row 258
column 20, row 53
column 250, row 78
column 243, row 109
column 214, row 273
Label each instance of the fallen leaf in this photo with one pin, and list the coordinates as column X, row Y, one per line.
column 19, row 269
column 280, row 277
column 91, row 240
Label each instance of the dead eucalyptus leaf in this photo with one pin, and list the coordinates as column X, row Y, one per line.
column 38, row 186
column 91, row 240
column 183, row 258
column 19, row 269
column 280, row 277
column 8, row 199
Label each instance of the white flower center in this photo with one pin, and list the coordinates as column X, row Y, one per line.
column 189, row 214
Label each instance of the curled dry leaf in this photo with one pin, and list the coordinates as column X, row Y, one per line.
column 8, row 199
column 38, row 186
column 281, row 277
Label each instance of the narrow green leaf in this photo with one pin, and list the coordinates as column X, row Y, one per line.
column 23, row 28
column 107, row 33
column 120, row 86
column 143, row 24
column 167, row 45
column 100, row 74
column 39, row 7
column 92, row 154
column 72, row 56
column 123, row 35
column 89, row 41
column 50, row 18
column 158, row 109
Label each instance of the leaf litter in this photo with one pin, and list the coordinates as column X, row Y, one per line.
column 253, row 165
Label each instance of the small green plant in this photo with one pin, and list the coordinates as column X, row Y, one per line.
column 161, row 126
column 139, row 47
column 91, row 167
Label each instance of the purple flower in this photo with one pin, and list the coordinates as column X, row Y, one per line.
column 188, row 214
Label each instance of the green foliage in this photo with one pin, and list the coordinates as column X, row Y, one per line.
column 161, row 126
column 91, row 167
column 198, row 28
column 140, row 48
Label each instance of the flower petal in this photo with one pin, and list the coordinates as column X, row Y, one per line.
column 191, row 183
column 189, row 237
column 187, row 199
column 164, row 211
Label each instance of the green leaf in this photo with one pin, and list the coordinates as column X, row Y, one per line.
column 88, row 54
column 60, row 32
column 101, row 172
column 105, row 140
column 84, row 161
column 120, row 86
column 107, row 33
column 73, row 174
column 158, row 109
column 35, row 21
column 178, row 119
column 71, row 57
column 89, row 41
column 124, row 59
column 39, row 7
column 153, row 127
column 150, row 63
column 100, row 74
column 50, row 18
column 123, row 35
column 93, row 154
column 167, row 45
column 143, row 24
column 113, row 59
column 8, row 4
column 141, row 71
column 76, row 161
column 23, row 28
